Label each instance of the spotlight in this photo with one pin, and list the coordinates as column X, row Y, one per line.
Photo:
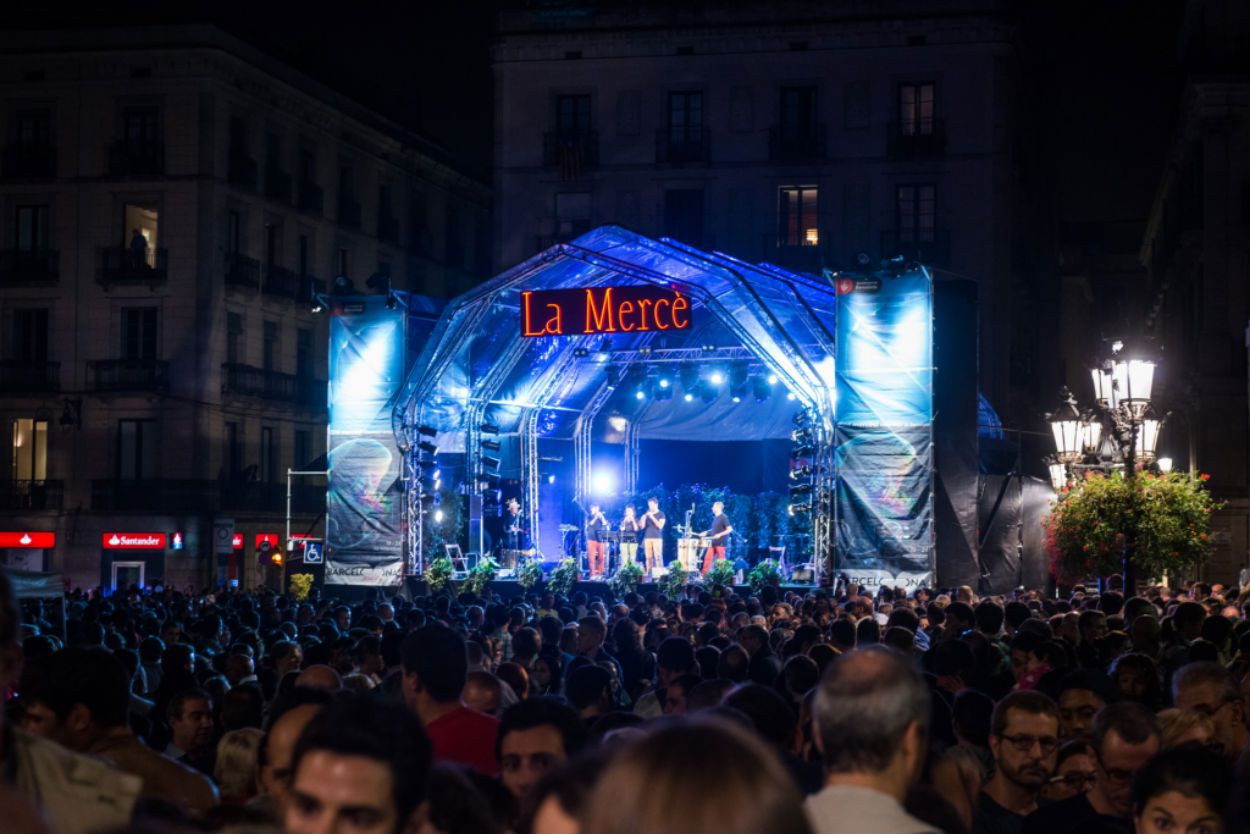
column 492, row 497
column 640, row 394
column 801, row 473
column 772, row 379
column 709, row 348
column 717, row 378
column 799, row 509
column 427, row 447
column 735, row 398
column 492, row 445
column 427, row 431
column 789, row 395
column 665, row 382
column 551, row 479
column 802, row 435
column 489, row 462
column 438, row 475
column 663, row 391
column 603, row 483
column 688, row 397
column 438, row 516
column 488, row 428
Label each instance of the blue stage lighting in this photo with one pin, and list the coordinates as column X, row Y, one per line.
column 772, row 379
column 689, row 397
column 640, row 394
column 603, row 483
column 665, row 382
column 717, row 378
column 551, row 479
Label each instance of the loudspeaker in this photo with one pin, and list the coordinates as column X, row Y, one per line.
column 475, row 522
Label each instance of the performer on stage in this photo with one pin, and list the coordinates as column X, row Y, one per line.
column 513, row 526
column 629, row 536
column 596, row 548
column 653, row 535
column 719, row 535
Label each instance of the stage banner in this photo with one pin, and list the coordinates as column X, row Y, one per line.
column 364, row 503
column 884, row 505
column 883, row 454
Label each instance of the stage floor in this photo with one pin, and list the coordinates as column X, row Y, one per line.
column 511, row 589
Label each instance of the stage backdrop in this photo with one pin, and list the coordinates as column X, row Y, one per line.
column 884, row 444
column 365, row 502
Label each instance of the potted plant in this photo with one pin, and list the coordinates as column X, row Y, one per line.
column 626, row 580
column 673, row 582
column 483, row 572
column 765, row 573
column 530, row 575
column 562, row 578
column 439, row 574
column 721, row 577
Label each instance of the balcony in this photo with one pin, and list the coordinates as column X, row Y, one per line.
column 277, row 183
column 311, row 198
column 154, row 495
column 280, row 282
column 794, row 143
column 21, row 376
column 388, row 228
column 32, row 495
column 272, row 386
column 130, row 375
column 349, row 212
column 927, row 139
column 572, row 151
column 136, row 159
column 241, row 169
column 270, row 497
column 933, row 249
column 242, row 272
column 306, row 286
column 22, row 268
column 122, row 266
column 676, row 148
column 28, row 162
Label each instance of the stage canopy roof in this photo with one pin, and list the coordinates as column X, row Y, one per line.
column 773, row 322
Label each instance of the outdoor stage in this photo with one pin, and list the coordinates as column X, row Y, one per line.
column 511, row 589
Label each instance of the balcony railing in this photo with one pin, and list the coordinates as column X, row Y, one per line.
column 273, row 386
column 18, row 376
column 349, row 212
column 388, row 228
column 18, row 267
column 122, row 265
column 277, row 183
column 311, row 198
column 29, row 162
column 931, row 247
column 676, row 147
column 130, row 375
column 136, row 159
column 242, row 271
column 270, row 497
column 797, row 144
column 241, row 169
column 280, row 282
column 927, row 139
column 32, row 495
column 154, row 495
column 571, row 151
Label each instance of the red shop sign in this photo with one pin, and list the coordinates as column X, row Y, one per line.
column 270, row 539
column 236, row 541
column 133, row 541
column 27, row 538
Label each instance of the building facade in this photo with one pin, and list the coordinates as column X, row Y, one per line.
column 811, row 135
column 174, row 204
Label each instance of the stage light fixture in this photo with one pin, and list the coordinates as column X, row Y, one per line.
column 580, row 353
column 716, row 378
column 427, row 431
column 492, row 445
column 801, row 452
column 428, row 464
column 315, row 306
column 799, row 490
column 551, row 479
column 772, row 379
column 662, row 392
column 801, row 473
column 789, row 395
column 427, row 447
column 709, row 348
column 492, row 497
column 603, row 483
column 735, row 398
column 640, row 394
column 665, row 382
column 438, row 516
column 488, row 428
column 804, row 436
column 799, row 509
column 802, row 417
column 688, row 397
column 438, row 475
column 489, row 462
column 613, row 375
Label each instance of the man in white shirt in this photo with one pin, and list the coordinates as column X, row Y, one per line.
column 871, row 717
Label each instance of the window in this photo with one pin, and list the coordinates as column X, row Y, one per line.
column 916, row 212
column 140, row 129
column 232, row 459
column 915, row 109
column 234, row 338
column 683, row 215
column 572, row 214
column 271, row 244
column 798, row 111
column 797, row 222
column 143, row 220
column 31, row 234
column 685, row 117
column 234, row 232
column 270, row 345
column 139, row 333
column 33, row 129
column 303, row 449
column 268, row 456
column 137, row 450
column 29, row 451
column 572, row 115
column 855, row 104
column 303, row 353
column 30, row 335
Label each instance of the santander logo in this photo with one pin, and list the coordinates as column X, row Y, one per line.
column 25, row 539
column 113, row 540
column 134, row 541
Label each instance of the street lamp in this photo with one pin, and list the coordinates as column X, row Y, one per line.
column 1123, row 387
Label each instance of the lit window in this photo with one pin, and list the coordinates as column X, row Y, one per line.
column 30, row 449
column 797, row 222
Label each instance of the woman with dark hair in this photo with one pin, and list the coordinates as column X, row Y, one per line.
column 695, row 777
column 1137, row 677
column 1183, row 789
column 545, row 675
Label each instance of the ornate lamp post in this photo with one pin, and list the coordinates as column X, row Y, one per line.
column 1122, row 394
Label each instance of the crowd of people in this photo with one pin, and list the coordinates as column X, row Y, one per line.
column 788, row 712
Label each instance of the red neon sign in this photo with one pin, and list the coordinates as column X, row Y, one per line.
column 270, row 539
column 27, row 538
column 641, row 309
column 133, row 541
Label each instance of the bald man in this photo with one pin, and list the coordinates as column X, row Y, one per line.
column 320, row 676
column 277, row 750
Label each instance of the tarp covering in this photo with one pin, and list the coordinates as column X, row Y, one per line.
column 30, row 585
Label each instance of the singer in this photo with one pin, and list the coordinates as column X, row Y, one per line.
column 596, row 548
column 653, row 536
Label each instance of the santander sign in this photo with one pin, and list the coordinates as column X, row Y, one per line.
column 134, row 541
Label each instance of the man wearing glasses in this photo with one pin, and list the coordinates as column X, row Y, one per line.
column 1207, row 687
column 1024, row 740
column 1126, row 736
